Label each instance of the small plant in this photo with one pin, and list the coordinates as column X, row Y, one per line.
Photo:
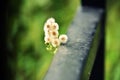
column 52, row 38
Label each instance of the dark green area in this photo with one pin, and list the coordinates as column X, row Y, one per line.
column 88, row 64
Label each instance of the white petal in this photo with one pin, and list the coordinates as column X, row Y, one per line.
column 51, row 20
column 47, row 39
column 47, row 33
column 47, row 26
column 54, row 33
column 55, row 42
column 63, row 38
column 55, row 26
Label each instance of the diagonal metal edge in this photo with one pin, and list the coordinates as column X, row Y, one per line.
column 68, row 63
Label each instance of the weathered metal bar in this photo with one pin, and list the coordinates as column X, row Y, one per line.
column 74, row 60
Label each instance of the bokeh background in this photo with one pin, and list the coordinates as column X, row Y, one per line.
column 27, row 56
column 112, row 41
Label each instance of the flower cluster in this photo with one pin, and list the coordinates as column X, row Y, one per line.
column 52, row 35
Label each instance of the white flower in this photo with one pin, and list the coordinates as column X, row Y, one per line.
column 51, row 33
column 55, row 42
column 47, row 26
column 47, row 33
column 55, row 26
column 63, row 38
column 54, row 34
column 51, row 20
column 47, row 39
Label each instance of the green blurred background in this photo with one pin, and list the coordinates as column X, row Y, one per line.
column 112, row 41
column 28, row 58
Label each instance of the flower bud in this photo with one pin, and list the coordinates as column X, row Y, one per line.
column 54, row 34
column 51, row 20
column 47, row 39
column 54, row 26
column 63, row 38
column 47, row 26
column 55, row 42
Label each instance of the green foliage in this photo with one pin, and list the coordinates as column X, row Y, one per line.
column 29, row 58
column 112, row 50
